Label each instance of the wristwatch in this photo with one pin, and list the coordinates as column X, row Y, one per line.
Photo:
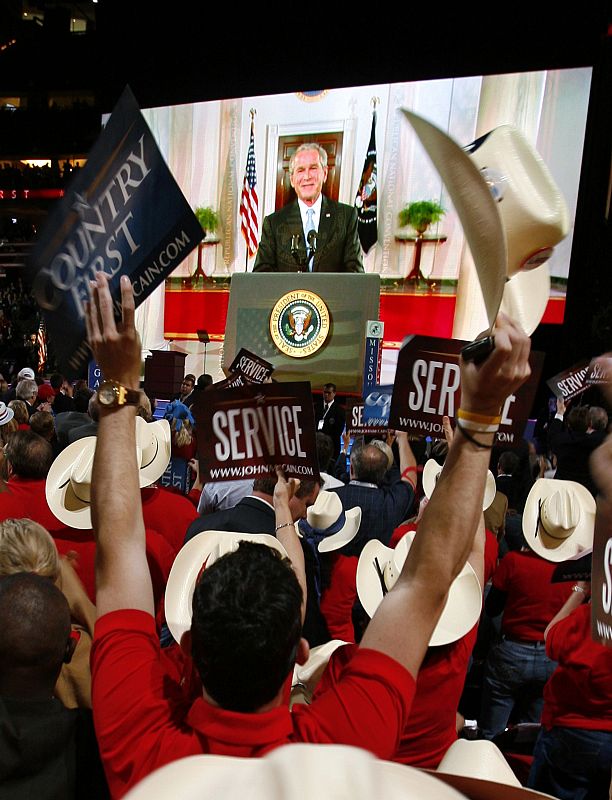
column 112, row 393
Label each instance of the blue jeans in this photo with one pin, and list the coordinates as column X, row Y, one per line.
column 572, row 763
column 515, row 674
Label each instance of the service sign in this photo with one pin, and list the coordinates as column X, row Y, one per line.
column 355, row 420
column 248, row 430
column 253, row 368
column 123, row 214
column 427, row 388
column 598, row 376
column 571, row 382
column 601, row 584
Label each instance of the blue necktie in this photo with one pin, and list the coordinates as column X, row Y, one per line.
column 309, row 227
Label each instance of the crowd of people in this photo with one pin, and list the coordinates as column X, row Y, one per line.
column 143, row 625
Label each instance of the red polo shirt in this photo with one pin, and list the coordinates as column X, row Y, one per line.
column 532, row 600
column 579, row 693
column 141, row 724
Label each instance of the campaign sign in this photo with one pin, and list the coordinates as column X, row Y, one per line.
column 235, row 379
column 571, row 382
column 253, row 368
column 355, row 421
column 427, row 388
column 377, row 404
column 94, row 375
column 123, row 214
column 601, row 583
column 598, row 376
column 246, row 431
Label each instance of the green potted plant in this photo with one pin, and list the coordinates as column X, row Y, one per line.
column 420, row 215
column 208, row 219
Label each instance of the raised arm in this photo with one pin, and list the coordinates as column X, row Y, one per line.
column 404, row 621
column 122, row 573
column 285, row 529
column 407, row 465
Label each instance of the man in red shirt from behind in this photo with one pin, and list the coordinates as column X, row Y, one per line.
column 248, row 606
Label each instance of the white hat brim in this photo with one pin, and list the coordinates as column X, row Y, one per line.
column 153, row 470
column 475, row 207
column 61, row 499
column 526, row 296
column 345, row 535
column 463, row 604
column 188, row 564
column 432, row 470
column 582, row 537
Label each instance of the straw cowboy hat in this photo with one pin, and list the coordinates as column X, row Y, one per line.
column 511, row 211
column 559, row 519
column 379, row 565
column 68, row 486
column 6, row 414
column 327, row 521
column 307, row 676
column 479, row 770
column 292, row 772
column 203, row 550
column 431, row 473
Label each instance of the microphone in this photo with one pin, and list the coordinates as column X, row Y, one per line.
column 295, row 251
column 312, row 241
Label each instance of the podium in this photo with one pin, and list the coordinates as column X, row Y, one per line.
column 270, row 314
column 163, row 373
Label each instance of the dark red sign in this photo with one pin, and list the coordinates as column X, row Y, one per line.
column 244, row 432
column 253, row 368
column 601, row 583
column 571, row 382
column 598, row 376
column 427, row 387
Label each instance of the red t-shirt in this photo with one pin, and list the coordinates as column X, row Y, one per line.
column 579, row 693
column 141, row 725
column 532, row 600
column 338, row 598
column 168, row 513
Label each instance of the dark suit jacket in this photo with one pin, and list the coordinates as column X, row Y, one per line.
column 338, row 248
column 333, row 422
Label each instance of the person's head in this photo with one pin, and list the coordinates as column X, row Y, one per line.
column 41, row 422
column 28, row 455
column 246, row 627
column 35, row 639
column 81, row 399
column 187, row 384
column 508, row 463
column 204, row 381
column 57, row 381
column 25, row 546
column 578, row 419
column 368, row 464
column 27, row 390
column 303, row 498
column 329, row 392
column 20, row 410
column 598, row 418
column 308, row 172
column 325, row 450
column 181, row 436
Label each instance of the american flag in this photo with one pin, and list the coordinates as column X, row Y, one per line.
column 41, row 341
column 249, row 204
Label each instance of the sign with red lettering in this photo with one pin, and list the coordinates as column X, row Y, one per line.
column 571, row 382
column 427, row 388
column 123, row 214
column 246, row 431
column 254, row 369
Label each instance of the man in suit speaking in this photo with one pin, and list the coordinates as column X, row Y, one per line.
column 314, row 234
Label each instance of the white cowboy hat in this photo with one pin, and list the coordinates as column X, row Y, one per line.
column 306, row 676
column 479, row 771
column 68, row 486
column 26, row 374
column 511, row 211
column 6, row 414
column 205, row 548
column 559, row 519
column 292, row 772
column 327, row 515
column 431, row 473
column 379, row 564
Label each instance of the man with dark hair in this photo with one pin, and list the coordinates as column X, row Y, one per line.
column 187, row 385
column 314, row 233
column 46, row 750
column 139, row 725
column 63, row 394
column 569, row 441
column 598, row 419
column 330, row 416
column 28, row 455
